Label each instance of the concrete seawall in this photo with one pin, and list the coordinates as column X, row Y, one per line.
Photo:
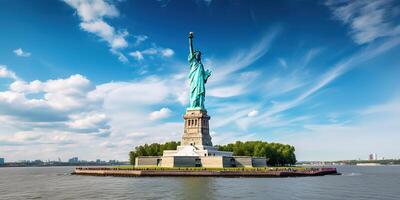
column 203, row 172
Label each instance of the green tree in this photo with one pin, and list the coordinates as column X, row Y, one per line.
column 278, row 154
column 154, row 149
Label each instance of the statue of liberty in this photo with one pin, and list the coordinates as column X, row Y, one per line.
column 197, row 77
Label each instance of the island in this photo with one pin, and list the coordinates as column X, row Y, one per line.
column 195, row 154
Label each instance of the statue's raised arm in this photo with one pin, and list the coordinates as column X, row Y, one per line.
column 191, row 43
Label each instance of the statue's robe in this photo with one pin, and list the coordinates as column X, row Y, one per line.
column 197, row 77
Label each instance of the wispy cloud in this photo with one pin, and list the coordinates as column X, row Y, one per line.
column 243, row 58
column 19, row 52
column 153, row 51
column 368, row 20
column 92, row 14
column 137, row 55
column 229, row 78
column 342, row 67
column 140, row 39
column 283, row 63
column 270, row 110
column 107, row 33
column 309, row 56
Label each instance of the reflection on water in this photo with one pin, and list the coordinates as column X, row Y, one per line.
column 352, row 174
column 378, row 182
column 196, row 187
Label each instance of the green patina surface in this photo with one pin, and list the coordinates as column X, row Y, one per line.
column 197, row 77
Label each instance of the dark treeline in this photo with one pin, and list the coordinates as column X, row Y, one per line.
column 278, row 154
column 154, row 149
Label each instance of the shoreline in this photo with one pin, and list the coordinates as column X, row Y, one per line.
column 203, row 172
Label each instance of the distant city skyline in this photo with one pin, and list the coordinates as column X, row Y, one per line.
column 89, row 78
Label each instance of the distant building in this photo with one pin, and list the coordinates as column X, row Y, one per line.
column 73, row 160
column 1, row 161
column 371, row 157
column 113, row 162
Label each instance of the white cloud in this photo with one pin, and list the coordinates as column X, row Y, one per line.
column 160, row 114
column 167, row 52
column 140, row 39
column 253, row 113
column 26, row 136
column 150, row 51
column 108, row 144
column 93, row 10
column 21, row 86
column 21, row 53
column 92, row 14
column 107, row 33
column 54, row 100
column 6, row 73
column 121, row 56
column 153, row 51
column 89, row 122
column 368, row 20
column 49, row 115
column 137, row 55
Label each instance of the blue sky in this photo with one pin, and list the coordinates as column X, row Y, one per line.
column 95, row 78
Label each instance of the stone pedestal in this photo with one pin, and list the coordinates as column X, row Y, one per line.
column 196, row 132
column 196, row 139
